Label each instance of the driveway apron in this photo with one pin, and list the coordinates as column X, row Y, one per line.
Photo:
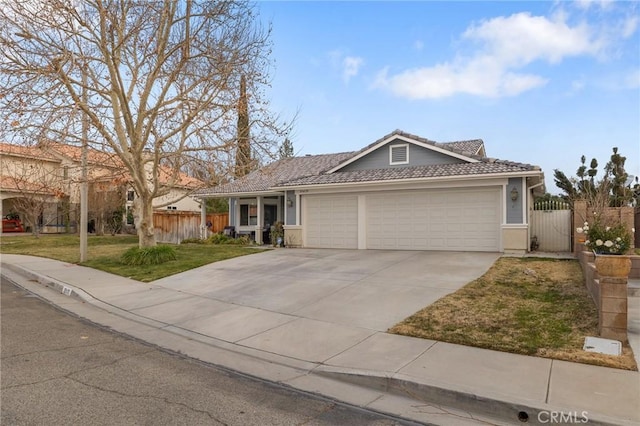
column 310, row 304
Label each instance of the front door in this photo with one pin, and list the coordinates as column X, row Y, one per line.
column 270, row 215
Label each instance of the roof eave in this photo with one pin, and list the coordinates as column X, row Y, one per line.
column 269, row 192
column 414, row 180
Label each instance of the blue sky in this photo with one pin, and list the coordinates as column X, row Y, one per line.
column 540, row 82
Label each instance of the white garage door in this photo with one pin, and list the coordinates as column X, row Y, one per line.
column 331, row 221
column 463, row 220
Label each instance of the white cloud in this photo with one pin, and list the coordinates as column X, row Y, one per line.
column 632, row 79
column 630, row 26
column 578, row 85
column 505, row 46
column 446, row 80
column 588, row 4
column 521, row 38
column 350, row 67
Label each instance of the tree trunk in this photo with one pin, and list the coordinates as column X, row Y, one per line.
column 143, row 217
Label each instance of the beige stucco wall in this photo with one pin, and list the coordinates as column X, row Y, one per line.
column 515, row 239
column 293, row 235
column 177, row 199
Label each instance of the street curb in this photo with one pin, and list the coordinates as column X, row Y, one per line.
column 492, row 407
column 392, row 383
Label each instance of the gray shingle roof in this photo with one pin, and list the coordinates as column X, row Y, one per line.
column 469, row 148
column 280, row 171
column 415, row 172
column 311, row 169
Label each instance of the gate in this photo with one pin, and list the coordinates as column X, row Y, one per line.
column 551, row 225
column 636, row 224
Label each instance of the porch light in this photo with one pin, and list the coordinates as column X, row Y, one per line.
column 514, row 194
column 289, row 202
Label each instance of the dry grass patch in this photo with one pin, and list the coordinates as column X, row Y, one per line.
column 526, row 306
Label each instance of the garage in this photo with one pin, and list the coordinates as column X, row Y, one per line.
column 331, row 221
column 464, row 220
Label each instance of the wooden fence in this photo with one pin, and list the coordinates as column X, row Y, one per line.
column 174, row 227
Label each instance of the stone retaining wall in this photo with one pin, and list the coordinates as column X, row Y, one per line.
column 609, row 295
column 635, row 267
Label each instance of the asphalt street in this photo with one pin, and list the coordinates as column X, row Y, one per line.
column 58, row 369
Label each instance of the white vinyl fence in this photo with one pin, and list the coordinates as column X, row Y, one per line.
column 551, row 225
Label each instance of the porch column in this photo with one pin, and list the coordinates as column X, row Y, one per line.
column 298, row 208
column 203, row 220
column 284, row 208
column 260, row 222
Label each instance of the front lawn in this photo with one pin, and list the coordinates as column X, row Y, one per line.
column 104, row 253
column 526, row 306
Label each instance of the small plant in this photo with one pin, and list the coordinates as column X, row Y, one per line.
column 219, row 239
column 603, row 239
column 157, row 255
column 277, row 234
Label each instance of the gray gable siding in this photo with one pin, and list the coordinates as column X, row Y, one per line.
column 418, row 156
column 514, row 209
column 291, row 211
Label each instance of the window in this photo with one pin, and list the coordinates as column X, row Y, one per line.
column 131, row 195
column 399, row 154
column 65, row 172
column 248, row 215
column 129, row 215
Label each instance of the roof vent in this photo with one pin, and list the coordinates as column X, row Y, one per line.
column 399, row 154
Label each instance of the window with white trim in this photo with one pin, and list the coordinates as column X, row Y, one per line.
column 399, row 154
column 248, row 214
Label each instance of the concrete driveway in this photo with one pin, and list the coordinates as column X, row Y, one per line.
column 370, row 289
column 310, row 305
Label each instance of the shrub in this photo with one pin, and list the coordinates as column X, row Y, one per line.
column 136, row 256
column 224, row 239
column 192, row 241
column 603, row 239
column 219, row 239
column 277, row 234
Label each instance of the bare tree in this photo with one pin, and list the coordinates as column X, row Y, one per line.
column 158, row 82
column 106, row 203
column 39, row 194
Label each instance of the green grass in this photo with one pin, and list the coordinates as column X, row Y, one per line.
column 529, row 306
column 104, row 253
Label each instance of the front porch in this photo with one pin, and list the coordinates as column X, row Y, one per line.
column 254, row 215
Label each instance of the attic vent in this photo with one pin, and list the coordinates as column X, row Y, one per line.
column 399, row 154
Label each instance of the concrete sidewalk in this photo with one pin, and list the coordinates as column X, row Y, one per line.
column 423, row 380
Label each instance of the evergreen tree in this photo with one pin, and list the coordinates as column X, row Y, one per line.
column 286, row 149
column 613, row 185
column 243, row 149
column 620, row 194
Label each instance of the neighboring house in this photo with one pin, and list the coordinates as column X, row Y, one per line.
column 30, row 170
column 402, row 192
column 53, row 170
